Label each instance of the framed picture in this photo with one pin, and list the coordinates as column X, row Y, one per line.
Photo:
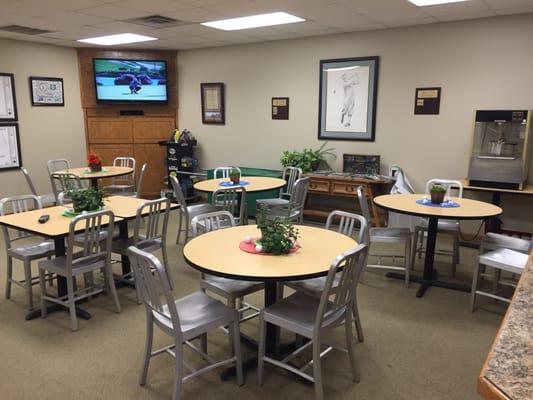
column 213, row 103
column 9, row 147
column 348, row 98
column 8, row 100
column 46, row 91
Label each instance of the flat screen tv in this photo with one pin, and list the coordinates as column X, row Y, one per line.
column 130, row 81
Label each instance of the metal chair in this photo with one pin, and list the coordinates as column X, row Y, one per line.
column 149, row 233
column 314, row 287
column 138, row 187
column 95, row 255
column 294, row 210
column 444, row 225
column 187, row 212
column 313, row 318
column 53, row 166
column 223, row 172
column 291, row 175
column 122, row 184
column 232, row 199
column 24, row 252
column 232, row 290
column 183, row 320
column 390, row 236
column 62, row 183
column 46, row 199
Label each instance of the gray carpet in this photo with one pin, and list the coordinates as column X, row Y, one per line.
column 429, row 348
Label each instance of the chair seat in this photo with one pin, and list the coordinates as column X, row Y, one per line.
column 282, row 213
column 47, row 199
column 273, row 202
column 121, row 245
column 443, row 224
column 312, row 287
column 33, row 251
column 58, row 264
column 79, row 239
column 197, row 209
column 198, row 313
column 505, row 259
column 496, row 240
column 234, row 287
column 389, row 234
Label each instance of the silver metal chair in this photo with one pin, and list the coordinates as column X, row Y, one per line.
column 46, row 199
column 123, row 184
column 294, row 210
column 149, row 233
column 94, row 256
column 183, row 320
column 187, row 212
column 53, row 166
column 25, row 252
column 62, row 183
column 232, row 199
column 390, row 236
column 314, row 318
column 223, row 172
column 444, row 226
column 232, row 290
column 291, row 175
column 348, row 222
column 138, row 187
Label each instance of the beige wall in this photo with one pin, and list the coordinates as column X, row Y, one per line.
column 45, row 132
column 479, row 64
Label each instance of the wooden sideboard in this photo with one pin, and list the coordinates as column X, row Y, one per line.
column 336, row 192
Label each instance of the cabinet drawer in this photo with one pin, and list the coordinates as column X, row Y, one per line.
column 344, row 188
column 319, row 186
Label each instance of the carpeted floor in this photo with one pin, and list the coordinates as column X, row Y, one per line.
column 428, row 349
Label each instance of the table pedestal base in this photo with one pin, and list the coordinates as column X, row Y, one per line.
column 55, row 308
column 425, row 284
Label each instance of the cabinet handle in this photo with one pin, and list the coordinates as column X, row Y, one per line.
column 349, row 188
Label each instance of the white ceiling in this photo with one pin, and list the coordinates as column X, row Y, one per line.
column 76, row 19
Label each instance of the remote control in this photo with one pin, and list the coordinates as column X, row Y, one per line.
column 43, row 218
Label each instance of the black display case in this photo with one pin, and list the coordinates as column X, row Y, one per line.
column 181, row 163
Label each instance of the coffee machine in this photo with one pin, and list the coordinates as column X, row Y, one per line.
column 500, row 149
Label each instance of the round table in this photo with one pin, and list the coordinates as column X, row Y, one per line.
column 406, row 204
column 218, row 253
column 108, row 172
column 257, row 184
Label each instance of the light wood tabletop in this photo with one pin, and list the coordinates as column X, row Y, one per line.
column 218, row 253
column 468, row 209
column 257, row 184
column 109, row 172
column 126, row 207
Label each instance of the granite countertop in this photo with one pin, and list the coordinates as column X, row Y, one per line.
column 510, row 364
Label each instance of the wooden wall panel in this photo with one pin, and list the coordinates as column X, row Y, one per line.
column 109, row 130
column 108, row 152
column 151, row 130
column 154, row 155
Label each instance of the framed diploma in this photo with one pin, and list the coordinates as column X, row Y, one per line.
column 212, row 103
column 46, row 91
column 280, row 108
column 8, row 101
column 9, row 147
column 427, row 100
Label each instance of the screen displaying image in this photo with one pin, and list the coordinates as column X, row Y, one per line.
column 142, row 81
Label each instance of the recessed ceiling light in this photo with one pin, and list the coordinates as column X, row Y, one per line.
column 422, row 3
column 121, row 38
column 254, row 21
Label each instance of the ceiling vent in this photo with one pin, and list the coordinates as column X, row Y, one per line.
column 25, row 30
column 157, row 21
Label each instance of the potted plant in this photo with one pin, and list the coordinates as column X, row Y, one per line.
column 308, row 160
column 277, row 237
column 91, row 199
column 437, row 193
column 235, row 176
column 95, row 162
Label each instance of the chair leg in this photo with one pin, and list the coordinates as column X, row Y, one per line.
column 9, row 276
column 28, row 285
column 317, row 370
column 455, row 256
column 261, row 350
column 178, row 372
column 349, row 346
column 203, row 343
column 112, row 288
column 147, row 348
column 414, row 245
column 474, row 287
column 497, row 277
column 235, row 341
column 42, row 284
column 72, row 304
column 408, row 261
column 179, row 230
column 357, row 321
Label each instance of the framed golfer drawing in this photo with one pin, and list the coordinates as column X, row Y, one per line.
column 348, row 98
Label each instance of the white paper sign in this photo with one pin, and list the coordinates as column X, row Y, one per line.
column 9, row 154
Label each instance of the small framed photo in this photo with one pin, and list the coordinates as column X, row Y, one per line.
column 213, row 103
column 348, row 98
column 8, row 100
column 10, row 156
column 46, row 91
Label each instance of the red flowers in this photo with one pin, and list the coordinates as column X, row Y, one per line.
column 94, row 159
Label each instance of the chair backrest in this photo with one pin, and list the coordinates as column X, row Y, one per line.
column 448, row 184
column 178, row 194
column 140, row 181
column 335, row 300
column 15, row 205
column 223, row 172
column 151, row 285
column 347, row 223
column 363, row 203
column 63, row 182
column 291, row 175
column 232, row 200
column 28, row 180
column 212, row 222
column 299, row 194
column 155, row 215
column 58, row 164
column 125, row 162
column 91, row 224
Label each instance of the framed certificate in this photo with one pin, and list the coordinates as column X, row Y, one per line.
column 212, row 103
column 9, row 147
column 8, row 101
column 46, row 91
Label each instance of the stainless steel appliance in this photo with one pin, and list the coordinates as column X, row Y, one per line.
column 500, row 149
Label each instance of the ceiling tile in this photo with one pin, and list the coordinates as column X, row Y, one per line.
column 195, row 15
column 502, row 4
column 81, row 32
column 466, row 15
column 456, row 8
column 153, row 6
column 397, row 15
column 370, row 6
column 409, row 22
column 515, row 10
column 305, row 26
column 124, row 27
column 344, row 21
column 113, row 11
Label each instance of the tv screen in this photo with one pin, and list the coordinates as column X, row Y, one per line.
column 125, row 81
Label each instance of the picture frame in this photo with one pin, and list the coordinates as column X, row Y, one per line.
column 348, row 98
column 47, row 91
column 10, row 155
column 8, row 98
column 212, row 95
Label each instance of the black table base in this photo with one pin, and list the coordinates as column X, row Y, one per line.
column 57, row 307
column 425, row 284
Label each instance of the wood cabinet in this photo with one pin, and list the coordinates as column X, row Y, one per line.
column 155, row 171
column 152, row 130
column 109, row 130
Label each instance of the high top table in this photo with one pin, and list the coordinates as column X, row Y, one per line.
column 107, row 172
column 406, row 204
column 256, row 184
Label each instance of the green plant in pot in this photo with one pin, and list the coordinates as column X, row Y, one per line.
column 308, row 160
column 235, row 176
column 91, row 199
column 437, row 193
column 277, row 237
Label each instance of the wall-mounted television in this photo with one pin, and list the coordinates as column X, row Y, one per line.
column 130, row 81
